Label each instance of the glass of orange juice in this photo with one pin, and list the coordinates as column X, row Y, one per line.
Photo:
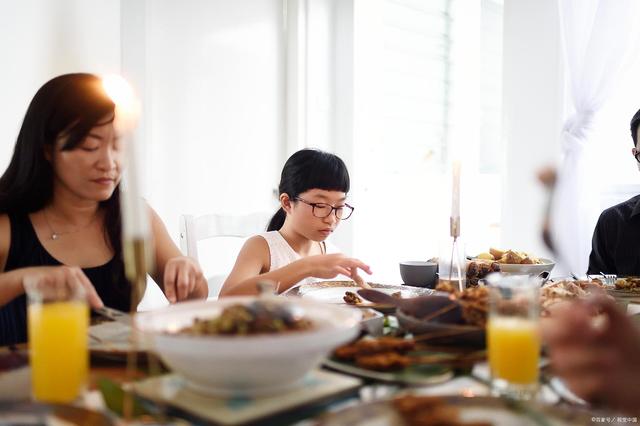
column 513, row 339
column 57, row 324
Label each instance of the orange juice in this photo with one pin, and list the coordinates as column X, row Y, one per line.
column 58, row 350
column 514, row 349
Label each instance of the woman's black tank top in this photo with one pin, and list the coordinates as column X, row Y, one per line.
column 26, row 250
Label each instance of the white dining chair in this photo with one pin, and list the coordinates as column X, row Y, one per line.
column 225, row 235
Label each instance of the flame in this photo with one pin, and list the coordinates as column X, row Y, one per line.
column 125, row 99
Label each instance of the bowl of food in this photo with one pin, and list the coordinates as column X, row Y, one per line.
column 513, row 262
column 246, row 345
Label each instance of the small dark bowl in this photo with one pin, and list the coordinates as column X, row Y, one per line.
column 419, row 273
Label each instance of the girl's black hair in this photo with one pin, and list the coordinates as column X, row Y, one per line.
column 309, row 169
column 69, row 105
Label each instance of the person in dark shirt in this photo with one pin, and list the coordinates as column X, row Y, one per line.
column 60, row 220
column 616, row 239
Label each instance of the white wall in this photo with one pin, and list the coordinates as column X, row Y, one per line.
column 533, row 110
column 216, row 105
column 40, row 39
column 213, row 84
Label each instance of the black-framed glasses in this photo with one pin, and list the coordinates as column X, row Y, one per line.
column 323, row 210
column 636, row 154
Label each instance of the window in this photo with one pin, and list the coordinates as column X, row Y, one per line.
column 427, row 89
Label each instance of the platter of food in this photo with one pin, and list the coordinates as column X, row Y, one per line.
column 392, row 359
column 514, row 262
column 626, row 289
column 412, row 410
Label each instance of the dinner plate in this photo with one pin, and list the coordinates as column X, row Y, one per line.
column 112, row 340
column 333, row 292
column 15, row 376
column 417, row 375
column 495, row 411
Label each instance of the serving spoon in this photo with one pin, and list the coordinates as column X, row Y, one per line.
column 429, row 307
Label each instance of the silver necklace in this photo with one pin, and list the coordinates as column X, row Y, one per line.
column 55, row 235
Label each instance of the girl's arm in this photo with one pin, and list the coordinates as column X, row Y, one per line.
column 254, row 259
column 180, row 277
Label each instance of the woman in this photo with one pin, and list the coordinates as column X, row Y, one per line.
column 60, row 208
column 313, row 191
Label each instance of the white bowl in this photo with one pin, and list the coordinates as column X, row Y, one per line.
column 525, row 269
column 372, row 321
column 246, row 365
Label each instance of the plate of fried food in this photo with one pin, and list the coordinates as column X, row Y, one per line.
column 630, row 284
column 397, row 360
column 554, row 292
column 626, row 289
column 410, row 409
column 515, row 262
column 455, row 318
column 345, row 292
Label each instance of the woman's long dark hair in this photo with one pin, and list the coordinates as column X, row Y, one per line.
column 309, row 169
column 69, row 105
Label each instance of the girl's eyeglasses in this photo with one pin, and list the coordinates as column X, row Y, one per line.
column 636, row 154
column 323, row 210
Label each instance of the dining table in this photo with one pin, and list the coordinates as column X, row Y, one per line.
column 466, row 381
column 469, row 382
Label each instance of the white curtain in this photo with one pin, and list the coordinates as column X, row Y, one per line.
column 598, row 38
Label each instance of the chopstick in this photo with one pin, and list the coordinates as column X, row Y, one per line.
column 449, row 358
column 439, row 312
column 358, row 279
column 444, row 333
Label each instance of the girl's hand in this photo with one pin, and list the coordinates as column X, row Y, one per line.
column 183, row 279
column 62, row 278
column 329, row 266
column 358, row 279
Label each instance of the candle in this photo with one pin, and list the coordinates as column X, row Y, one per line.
column 127, row 111
column 135, row 217
column 455, row 198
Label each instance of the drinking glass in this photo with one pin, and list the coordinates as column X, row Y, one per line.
column 57, row 321
column 513, row 339
column 449, row 259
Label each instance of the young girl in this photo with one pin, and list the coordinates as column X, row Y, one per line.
column 60, row 216
column 313, row 190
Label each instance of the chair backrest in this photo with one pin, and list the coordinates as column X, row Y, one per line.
column 194, row 229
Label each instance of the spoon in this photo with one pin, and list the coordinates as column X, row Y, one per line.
column 436, row 306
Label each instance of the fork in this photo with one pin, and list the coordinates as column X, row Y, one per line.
column 609, row 279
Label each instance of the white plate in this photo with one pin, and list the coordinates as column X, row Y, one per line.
column 333, row 292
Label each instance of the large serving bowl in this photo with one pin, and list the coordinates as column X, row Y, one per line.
column 526, row 269
column 246, row 365
column 520, row 269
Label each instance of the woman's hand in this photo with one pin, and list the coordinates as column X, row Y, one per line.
column 329, row 266
column 183, row 279
column 61, row 277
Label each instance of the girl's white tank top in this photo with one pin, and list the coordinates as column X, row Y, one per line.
column 282, row 254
